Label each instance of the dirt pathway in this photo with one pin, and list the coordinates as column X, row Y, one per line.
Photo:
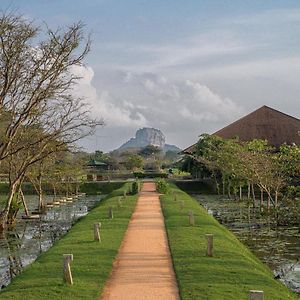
column 143, row 268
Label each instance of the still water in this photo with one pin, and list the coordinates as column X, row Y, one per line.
column 278, row 247
column 23, row 244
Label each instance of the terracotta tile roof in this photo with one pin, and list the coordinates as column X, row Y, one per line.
column 264, row 123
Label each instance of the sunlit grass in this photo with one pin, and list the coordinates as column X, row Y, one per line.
column 92, row 260
column 230, row 273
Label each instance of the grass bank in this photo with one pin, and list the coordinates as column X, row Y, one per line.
column 230, row 273
column 92, row 260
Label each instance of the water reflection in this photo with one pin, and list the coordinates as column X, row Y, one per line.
column 278, row 247
column 22, row 244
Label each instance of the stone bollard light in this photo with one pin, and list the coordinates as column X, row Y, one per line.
column 67, row 276
column 97, row 236
column 210, row 244
column 191, row 218
column 256, row 295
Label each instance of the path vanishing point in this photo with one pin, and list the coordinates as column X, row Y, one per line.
column 143, row 268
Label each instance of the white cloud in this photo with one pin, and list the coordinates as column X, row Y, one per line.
column 103, row 104
column 268, row 17
column 181, row 109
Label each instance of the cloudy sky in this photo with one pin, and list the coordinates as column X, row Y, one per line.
column 185, row 67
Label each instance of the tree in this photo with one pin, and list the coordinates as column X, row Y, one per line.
column 134, row 162
column 150, row 150
column 39, row 115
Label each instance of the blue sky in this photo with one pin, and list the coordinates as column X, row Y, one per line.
column 186, row 67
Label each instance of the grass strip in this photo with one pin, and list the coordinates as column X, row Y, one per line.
column 92, row 260
column 230, row 273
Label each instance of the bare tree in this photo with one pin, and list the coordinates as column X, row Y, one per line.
column 39, row 115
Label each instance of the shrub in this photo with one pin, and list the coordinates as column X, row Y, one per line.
column 162, row 186
column 150, row 175
column 135, row 187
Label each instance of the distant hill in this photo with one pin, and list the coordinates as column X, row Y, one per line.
column 148, row 136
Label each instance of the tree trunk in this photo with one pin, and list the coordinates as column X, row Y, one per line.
column 40, row 192
column 269, row 203
column 223, row 187
column 217, row 184
column 253, row 195
column 241, row 193
column 261, row 199
column 229, row 189
column 248, row 190
column 4, row 216
column 276, row 199
column 24, row 202
column 54, row 192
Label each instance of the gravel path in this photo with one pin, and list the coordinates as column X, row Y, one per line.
column 143, row 268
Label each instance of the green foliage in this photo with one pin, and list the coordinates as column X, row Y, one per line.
column 196, row 186
column 15, row 204
column 293, row 192
column 237, row 164
column 149, row 175
column 135, row 187
column 149, row 150
column 134, row 161
column 162, row 186
column 92, row 188
column 230, row 273
column 92, row 263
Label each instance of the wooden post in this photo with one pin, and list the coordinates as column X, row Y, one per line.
column 210, row 244
column 110, row 213
column 256, row 295
column 67, row 258
column 97, row 236
column 191, row 218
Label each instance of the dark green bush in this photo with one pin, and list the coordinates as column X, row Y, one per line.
column 162, row 186
column 135, row 187
column 150, row 175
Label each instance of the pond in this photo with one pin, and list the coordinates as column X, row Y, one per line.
column 23, row 244
column 278, row 247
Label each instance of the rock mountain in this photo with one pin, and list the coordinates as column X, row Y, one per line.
column 149, row 136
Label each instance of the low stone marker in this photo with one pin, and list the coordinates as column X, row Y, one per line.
column 256, row 295
column 191, row 218
column 210, row 244
column 97, row 236
column 110, row 213
column 67, row 258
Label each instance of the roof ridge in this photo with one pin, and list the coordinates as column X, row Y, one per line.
column 255, row 111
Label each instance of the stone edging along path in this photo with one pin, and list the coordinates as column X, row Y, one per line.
column 143, row 268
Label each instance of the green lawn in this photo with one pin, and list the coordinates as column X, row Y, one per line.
column 92, row 260
column 230, row 273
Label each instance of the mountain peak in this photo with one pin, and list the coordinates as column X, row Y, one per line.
column 148, row 136
column 144, row 137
